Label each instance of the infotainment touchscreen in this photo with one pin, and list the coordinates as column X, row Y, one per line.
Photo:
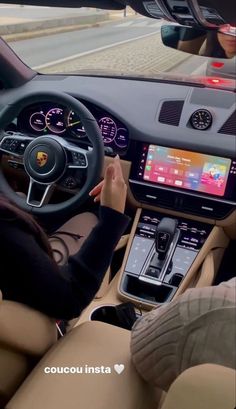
column 186, row 170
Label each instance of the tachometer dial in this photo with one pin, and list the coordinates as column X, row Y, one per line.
column 108, row 129
column 55, row 120
column 37, row 121
column 75, row 125
column 201, row 119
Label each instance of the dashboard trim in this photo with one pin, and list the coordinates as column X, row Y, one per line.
column 183, row 192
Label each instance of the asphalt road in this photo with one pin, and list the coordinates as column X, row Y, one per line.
column 45, row 50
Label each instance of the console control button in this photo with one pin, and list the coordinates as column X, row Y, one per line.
column 138, row 254
column 153, row 272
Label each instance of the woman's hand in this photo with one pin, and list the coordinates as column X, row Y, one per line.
column 112, row 191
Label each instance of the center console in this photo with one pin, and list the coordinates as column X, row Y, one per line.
column 153, row 272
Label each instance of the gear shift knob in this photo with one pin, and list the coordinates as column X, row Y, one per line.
column 165, row 232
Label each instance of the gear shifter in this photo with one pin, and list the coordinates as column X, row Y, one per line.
column 166, row 234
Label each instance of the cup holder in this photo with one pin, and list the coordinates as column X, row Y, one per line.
column 122, row 315
column 105, row 313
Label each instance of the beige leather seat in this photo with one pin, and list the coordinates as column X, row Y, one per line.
column 25, row 336
column 203, row 387
column 95, row 344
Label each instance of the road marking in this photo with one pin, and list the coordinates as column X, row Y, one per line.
column 142, row 24
column 73, row 57
column 134, row 24
column 126, row 24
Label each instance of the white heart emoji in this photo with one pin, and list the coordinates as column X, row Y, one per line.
column 119, row 368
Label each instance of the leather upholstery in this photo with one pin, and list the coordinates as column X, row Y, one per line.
column 95, row 343
column 203, row 387
column 25, row 335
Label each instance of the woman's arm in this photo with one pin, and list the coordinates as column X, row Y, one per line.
column 28, row 275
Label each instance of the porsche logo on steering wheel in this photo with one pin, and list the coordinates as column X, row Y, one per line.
column 42, row 158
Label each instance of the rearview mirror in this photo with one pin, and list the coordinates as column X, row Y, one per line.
column 198, row 41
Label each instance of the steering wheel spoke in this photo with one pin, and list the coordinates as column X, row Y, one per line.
column 14, row 143
column 38, row 194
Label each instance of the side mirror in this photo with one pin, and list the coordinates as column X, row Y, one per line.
column 199, row 41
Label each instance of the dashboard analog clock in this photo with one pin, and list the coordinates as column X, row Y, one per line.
column 201, row 119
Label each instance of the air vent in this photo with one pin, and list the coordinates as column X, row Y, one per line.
column 229, row 126
column 171, row 112
column 153, row 196
column 205, row 208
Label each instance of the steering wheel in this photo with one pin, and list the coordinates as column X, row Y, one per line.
column 47, row 158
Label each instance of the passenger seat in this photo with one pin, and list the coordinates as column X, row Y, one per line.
column 95, row 344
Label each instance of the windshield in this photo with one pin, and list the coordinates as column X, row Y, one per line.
column 99, row 42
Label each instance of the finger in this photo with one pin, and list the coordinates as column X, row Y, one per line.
column 118, row 169
column 109, row 174
column 97, row 189
column 97, row 198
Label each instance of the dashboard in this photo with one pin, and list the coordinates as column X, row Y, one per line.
column 180, row 139
column 47, row 118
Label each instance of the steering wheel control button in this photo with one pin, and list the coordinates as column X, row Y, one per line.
column 23, row 145
column 14, row 146
column 45, row 162
column 79, row 159
column 10, row 145
column 70, row 183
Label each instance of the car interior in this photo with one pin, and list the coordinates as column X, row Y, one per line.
column 176, row 138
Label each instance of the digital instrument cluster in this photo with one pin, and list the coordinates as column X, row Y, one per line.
column 45, row 118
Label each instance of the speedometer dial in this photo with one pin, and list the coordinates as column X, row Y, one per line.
column 201, row 119
column 108, row 129
column 55, row 120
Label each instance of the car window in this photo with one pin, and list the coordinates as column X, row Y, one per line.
column 101, row 42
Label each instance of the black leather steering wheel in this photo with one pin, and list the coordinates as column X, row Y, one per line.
column 47, row 158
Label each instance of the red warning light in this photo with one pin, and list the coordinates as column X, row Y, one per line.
column 217, row 64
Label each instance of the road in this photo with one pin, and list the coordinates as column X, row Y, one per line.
column 130, row 45
column 44, row 50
